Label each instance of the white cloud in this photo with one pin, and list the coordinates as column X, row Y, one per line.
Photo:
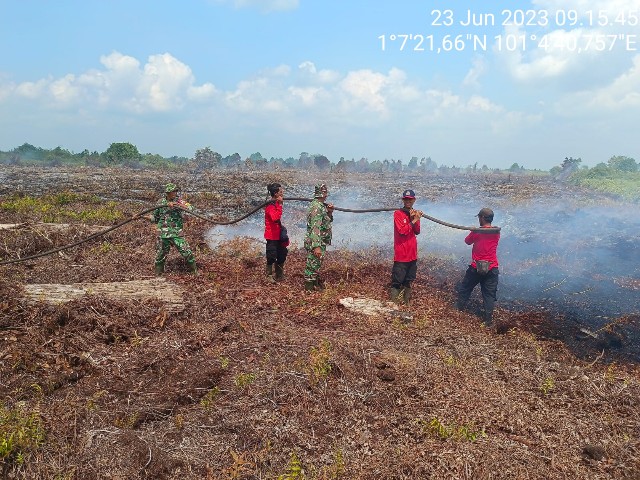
column 163, row 84
column 31, row 90
column 365, row 87
column 477, row 69
column 623, row 93
column 323, row 76
column 303, row 104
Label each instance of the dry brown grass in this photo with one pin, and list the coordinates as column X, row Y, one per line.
column 253, row 380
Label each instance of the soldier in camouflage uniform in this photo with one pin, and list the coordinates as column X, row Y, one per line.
column 319, row 218
column 169, row 221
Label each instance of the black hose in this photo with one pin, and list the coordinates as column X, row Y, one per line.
column 231, row 222
column 428, row 217
column 71, row 245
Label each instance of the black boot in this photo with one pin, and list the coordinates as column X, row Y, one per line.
column 269, row 272
column 192, row 267
column 407, row 296
column 320, row 284
column 393, row 294
column 279, row 271
column 309, row 285
column 159, row 268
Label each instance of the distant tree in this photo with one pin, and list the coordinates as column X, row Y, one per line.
column 207, row 158
column 514, row 168
column 255, row 157
column 570, row 163
column 26, row 151
column 623, row 164
column 362, row 165
column 58, row 156
column 154, row 160
column 428, row 165
column 601, row 170
column 376, row 166
column 305, row 160
column 232, row 161
column 413, row 163
column 121, row 153
column 321, row 162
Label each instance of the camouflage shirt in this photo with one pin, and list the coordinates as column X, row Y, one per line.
column 170, row 220
column 318, row 225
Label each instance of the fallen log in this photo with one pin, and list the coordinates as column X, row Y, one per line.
column 152, row 289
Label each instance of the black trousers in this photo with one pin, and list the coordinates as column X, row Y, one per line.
column 403, row 273
column 276, row 253
column 488, row 286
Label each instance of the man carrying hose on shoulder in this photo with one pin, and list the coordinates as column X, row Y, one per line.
column 483, row 268
column 406, row 225
column 170, row 221
column 319, row 218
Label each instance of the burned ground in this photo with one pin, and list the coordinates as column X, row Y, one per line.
column 253, row 380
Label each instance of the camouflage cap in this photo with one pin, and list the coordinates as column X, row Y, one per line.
column 320, row 190
column 170, row 187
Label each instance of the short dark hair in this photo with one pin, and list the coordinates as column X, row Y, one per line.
column 273, row 188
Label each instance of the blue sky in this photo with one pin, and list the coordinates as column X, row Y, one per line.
column 281, row 77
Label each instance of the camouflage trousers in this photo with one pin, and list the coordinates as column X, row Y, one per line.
column 163, row 246
column 312, row 268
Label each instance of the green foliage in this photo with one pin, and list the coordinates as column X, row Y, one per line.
column 58, row 208
column 607, row 180
column 457, row 432
column 547, row 385
column 20, row 433
column 209, row 398
column 320, row 360
column 623, row 164
column 243, row 380
column 121, row 152
column 294, row 469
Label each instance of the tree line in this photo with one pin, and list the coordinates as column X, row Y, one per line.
column 127, row 155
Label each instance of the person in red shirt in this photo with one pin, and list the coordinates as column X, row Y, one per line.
column 406, row 225
column 275, row 234
column 483, row 268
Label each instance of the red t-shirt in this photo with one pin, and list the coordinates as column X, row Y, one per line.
column 272, row 216
column 485, row 247
column 405, row 243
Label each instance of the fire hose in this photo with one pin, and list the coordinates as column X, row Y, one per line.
column 231, row 222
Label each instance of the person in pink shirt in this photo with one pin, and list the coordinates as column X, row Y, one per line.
column 406, row 225
column 275, row 234
column 483, row 268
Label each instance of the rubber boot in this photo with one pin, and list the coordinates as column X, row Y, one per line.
column 393, row 294
column 407, row 296
column 320, row 285
column 269, row 272
column 310, row 285
column 192, row 267
column 159, row 267
column 279, row 271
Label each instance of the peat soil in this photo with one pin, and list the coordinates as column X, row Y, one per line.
column 254, row 380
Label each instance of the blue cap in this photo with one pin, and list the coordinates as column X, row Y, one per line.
column 408, row 194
